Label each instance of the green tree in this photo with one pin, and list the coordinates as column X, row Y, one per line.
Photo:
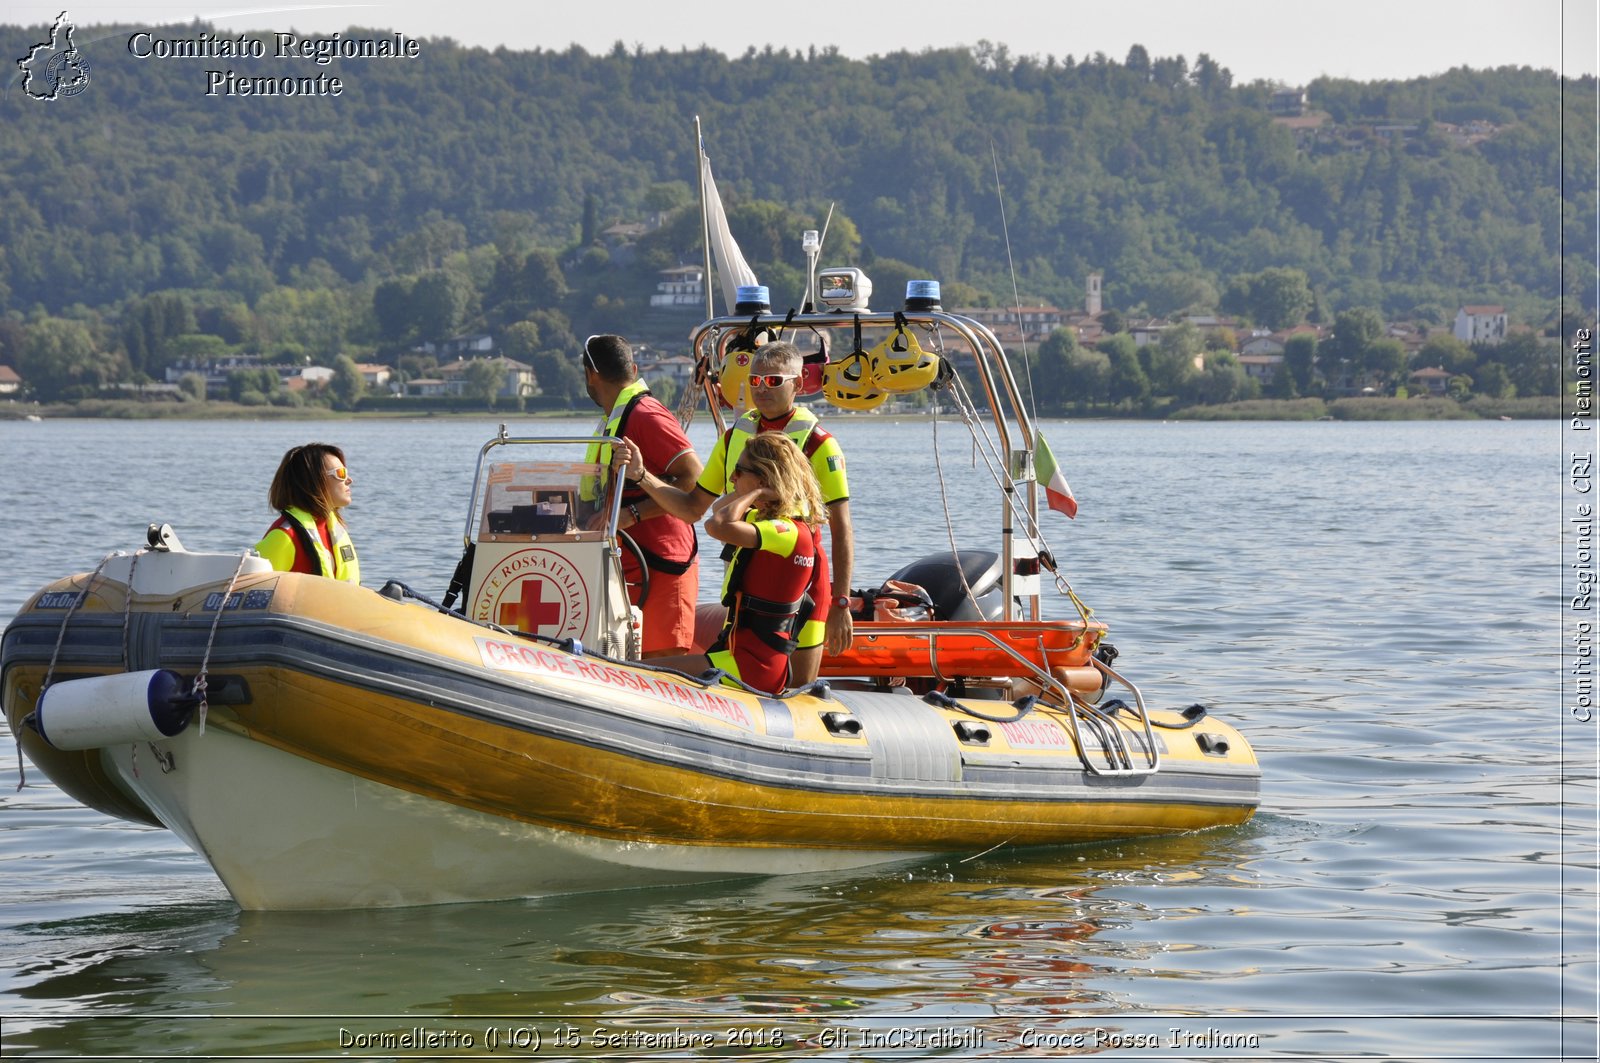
column 520, row 340
column 1280, row 298
column 1276, row 297
column 1384, row 360
column 1222, row 380
column 1087, row 378
column 391, row 306
column 483, row 379
column 1494, row 381
column 1126, row 382
column 1343, row 353
column 61, row 359
column 302, row 322
column 1533, row 364
column 1178, row 290
column 559, row 377
column 665, row 389
column 666, row 196
column 427, row 246
column 1447, row 353
column 261, row 383
column 1300, row 361
column 437, row 302
column 1172, row 360
column 347, row 385
column 193, row 385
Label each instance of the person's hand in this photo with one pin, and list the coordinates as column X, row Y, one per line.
column 841, row 629
column 627, row 461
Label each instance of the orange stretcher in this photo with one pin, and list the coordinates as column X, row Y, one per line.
column 950, row 649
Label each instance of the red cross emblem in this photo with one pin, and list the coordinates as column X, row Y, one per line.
column 531, row 612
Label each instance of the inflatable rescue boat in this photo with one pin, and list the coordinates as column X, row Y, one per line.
column 326, row 745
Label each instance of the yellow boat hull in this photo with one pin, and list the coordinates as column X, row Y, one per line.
column 363, row 751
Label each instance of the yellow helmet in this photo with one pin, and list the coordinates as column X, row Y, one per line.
column 899, row 364
column 848, row 383
column 734, row 380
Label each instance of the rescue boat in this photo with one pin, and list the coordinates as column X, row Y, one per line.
column 327, row 745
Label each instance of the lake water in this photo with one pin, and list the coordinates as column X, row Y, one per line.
column 1377, row 606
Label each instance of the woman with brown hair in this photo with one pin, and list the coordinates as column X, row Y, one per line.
column 310, row 490
column 776, row 589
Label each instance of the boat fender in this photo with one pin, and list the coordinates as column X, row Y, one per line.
column 111, row 709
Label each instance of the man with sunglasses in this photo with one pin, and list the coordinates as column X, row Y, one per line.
column 774, row 376
column 668, row 543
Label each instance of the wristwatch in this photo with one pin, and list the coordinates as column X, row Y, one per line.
column 842, row 602
column 634, row 509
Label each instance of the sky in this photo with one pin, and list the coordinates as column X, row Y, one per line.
column 1292, row 41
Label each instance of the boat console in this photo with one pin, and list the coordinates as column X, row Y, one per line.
column 543, row 552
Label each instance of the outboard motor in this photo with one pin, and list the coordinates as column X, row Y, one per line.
column 946, row 578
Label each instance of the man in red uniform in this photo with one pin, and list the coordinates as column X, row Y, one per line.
column 774, row 375
column 668, row 543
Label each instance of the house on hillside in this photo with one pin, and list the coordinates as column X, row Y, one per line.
column 428, row 387
column 374, row 374
column 680, row 288
column 1480, row 324
column 678, row 368
column 1145, row 333
column 1262, row 345
column 1434, row 379
column 517, row 379
column 1032, row 323
column 1287, row 102
column 471, row 346
column 1262, row 367
column 10, row 382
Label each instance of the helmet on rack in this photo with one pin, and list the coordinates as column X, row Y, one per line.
column 733, row 379
column 848, row 383
column 899, row 364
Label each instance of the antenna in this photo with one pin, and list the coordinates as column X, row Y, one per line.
column 811, row 243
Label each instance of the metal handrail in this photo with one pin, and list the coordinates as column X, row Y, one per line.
column 612, row 543
column 994, row 375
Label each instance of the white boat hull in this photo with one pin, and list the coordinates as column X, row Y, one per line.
column 283, row 832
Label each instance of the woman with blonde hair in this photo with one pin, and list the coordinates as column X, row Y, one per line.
column 310, row 491
column 776, row 588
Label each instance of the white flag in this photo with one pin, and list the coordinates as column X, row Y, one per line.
column 731, row 266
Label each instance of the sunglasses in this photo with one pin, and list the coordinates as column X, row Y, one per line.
column 741, row 467
column 771, row 380
column 341, row 474
column 586, row 355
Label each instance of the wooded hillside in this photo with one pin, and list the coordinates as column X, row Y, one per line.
column 489, row 175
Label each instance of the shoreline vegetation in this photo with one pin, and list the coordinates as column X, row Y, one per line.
column 1358, row 408
column 1185, row 240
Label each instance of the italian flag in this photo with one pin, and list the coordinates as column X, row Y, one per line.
column 1057, row 494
